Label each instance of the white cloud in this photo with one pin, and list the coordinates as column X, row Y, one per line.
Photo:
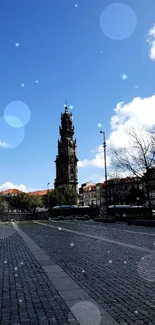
column 151, row 41
column 97, row 148
column 139, row 111
column 9, row 185
column 97, row 161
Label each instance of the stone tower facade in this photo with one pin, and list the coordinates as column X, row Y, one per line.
column 66, row 160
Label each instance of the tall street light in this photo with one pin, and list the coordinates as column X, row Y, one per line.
column 48, row 193
column 105, row 170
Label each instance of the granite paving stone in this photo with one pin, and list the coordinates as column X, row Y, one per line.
column 98, row 266
column 27, row 296
column 33, row 288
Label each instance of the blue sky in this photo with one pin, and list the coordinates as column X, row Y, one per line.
column 56, row 49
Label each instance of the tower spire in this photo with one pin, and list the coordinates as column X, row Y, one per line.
column 66, row 108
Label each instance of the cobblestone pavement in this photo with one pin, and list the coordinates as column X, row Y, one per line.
column 117, row 231
column 120, row 279
column 27, row 296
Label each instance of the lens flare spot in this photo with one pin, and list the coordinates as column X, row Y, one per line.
column 10, row 137
column 124, row 77
column 17, row 114
column 86, row 313
column 118, row 21
column 146, row 267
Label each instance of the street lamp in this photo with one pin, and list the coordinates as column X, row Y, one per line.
column 48, row 193
column 138, row 201
column 105, row 170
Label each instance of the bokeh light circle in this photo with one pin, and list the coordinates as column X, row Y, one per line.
column 118, row 21
column 7, row 229
column 10, row 137
column 146, row 267
column 86, row 312
column 17, row 114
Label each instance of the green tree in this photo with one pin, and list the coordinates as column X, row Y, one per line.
column 63, row 195
column 53, row 200
column 136, row 196
column 66, row 195
column 50, row 199
column 14, row 202
column 25, row 203
column 3, row 205
column 35, row 201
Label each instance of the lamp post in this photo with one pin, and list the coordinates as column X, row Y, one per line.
column 100, row 194
column 105, row 170
column 48, row 194
column 138, row 200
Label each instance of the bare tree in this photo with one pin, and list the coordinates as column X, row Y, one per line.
column 138, row 157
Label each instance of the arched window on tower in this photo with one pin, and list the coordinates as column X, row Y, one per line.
column 72, row 170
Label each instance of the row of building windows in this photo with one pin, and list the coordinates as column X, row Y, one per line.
column 117, row 190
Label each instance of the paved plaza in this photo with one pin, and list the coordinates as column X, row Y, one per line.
column 74, row 272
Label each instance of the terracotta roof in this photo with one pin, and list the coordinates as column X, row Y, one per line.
column 40, row 192
column 120, row 180
column 91, row 185
column 12, row 191
column 15, row 191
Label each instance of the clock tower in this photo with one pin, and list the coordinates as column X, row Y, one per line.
column 66, row 160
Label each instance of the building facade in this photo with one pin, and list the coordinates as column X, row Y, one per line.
column 127, row 190
column 87, row 194
column 66, row 160
column 100, row 194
